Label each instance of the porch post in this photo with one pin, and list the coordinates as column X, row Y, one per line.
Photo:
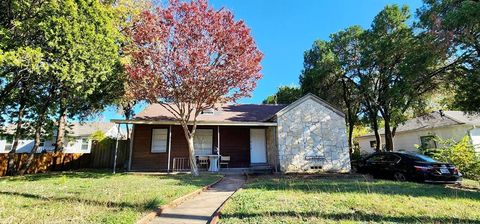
column 116, row 150
column 131, row 148
column 169, row 146
column 218, row 139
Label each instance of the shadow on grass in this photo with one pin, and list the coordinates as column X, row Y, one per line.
column 148, row 205
column 359, row 185
column 88, row 173
column 199, row 181
column 354, row 216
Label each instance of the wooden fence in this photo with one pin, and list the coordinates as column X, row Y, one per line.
column 101, row 156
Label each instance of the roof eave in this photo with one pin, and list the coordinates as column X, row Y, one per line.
column 315, row 98
column 212, row 123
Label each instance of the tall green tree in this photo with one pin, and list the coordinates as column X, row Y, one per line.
column 72, row 50
column 82, row 41
column 455, row 25
column 284, row 95
column 398, row 67
column 327, row 69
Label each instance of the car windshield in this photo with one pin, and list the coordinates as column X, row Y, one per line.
column 423, row 158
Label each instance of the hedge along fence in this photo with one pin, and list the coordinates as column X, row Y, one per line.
column 101, row 156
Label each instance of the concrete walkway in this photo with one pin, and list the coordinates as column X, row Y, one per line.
column 200, row 208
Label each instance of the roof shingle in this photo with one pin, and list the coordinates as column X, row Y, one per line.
column 224, row 113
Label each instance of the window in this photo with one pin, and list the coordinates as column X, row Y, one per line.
column 8, row 142
column 85, row 142
column 390, row 158
column 42, row 143
column 203, row 141
column 159, row 140
column 420, row 157
column 373, row 144
column 375, row 158
column 428, row 142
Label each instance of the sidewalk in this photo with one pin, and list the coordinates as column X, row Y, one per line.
column 200, row 208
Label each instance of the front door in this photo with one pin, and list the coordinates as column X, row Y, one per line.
column 258, row 149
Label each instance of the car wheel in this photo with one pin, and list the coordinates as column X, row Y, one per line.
column 398, row 176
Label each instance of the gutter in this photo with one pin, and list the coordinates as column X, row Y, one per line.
column 213, row 123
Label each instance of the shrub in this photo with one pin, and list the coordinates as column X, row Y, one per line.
column 98, row 135
column 461, row 154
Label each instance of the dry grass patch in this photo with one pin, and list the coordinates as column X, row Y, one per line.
column 90, row 196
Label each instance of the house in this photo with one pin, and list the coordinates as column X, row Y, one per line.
column 77, row 139
column 307, row 135
column 421, row 131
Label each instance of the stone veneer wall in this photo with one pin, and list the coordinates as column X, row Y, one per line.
column 272, row 152
column 312, row 137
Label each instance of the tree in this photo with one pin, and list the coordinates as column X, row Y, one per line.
column 398, row 67
column 284, row 95
column 62, row 56
column 83, row 50
column 454, row 24
column 327, row 68
column 187, row 57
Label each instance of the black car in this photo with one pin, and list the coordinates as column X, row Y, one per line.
column 408, row 166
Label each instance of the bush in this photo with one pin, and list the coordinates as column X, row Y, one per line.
column 461, row 154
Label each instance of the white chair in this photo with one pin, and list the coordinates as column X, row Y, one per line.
column 224, row 160
column 203, row 161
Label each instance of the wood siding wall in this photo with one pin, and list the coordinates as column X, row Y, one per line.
column 234, row 142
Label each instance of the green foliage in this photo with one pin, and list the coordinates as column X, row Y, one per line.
column 455, row 25
column 462, row 154
column 57, row 58
column 284, row 95
column 98, row 136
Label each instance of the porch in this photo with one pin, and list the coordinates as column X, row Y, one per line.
column 163, row 148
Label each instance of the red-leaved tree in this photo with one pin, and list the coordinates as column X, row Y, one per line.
column 187, row 56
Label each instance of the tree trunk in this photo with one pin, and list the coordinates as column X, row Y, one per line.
column 11, row 155
column 350, row 138
column 192, row 159
column 388, row 134
column 38, row 131
column 31, row 156
column 378, row 138
column 62, row 120
column 191, row 151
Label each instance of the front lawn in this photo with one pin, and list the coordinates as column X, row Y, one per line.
column 90, row 196
column 347, row 199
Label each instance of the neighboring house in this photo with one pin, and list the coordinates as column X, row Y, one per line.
column 77, row 139
column 306, row 135
column 421, row 131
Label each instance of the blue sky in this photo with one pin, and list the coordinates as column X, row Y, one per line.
column 285, row 29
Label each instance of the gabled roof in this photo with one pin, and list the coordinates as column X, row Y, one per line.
column 435, row 119
column 227, row 114
column 88, row 128
column 224, row 113
column 314, row 98
column 73, row 129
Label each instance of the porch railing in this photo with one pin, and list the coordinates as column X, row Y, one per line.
column 180, row 164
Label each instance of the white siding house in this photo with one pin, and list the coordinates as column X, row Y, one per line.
column 77, row 140
column 420, row 131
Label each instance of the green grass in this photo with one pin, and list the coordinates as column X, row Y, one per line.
column 90, row 196
column 471, row 184
column 346, row 199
